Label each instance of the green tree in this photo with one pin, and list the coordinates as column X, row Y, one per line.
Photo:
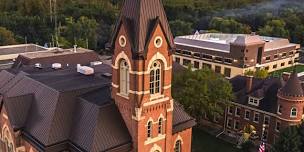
column 228, row 26
column 180, row 27
column 81, row 32
column 6, row 37
column 260, row 73
column 289, row 141
column 275, row 28
column 202, row 92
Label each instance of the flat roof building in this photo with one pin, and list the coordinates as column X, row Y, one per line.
column 234, row 54
column 9, row 53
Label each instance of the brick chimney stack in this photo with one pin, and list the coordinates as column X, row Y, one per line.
column 285, row 76
column 249, row 80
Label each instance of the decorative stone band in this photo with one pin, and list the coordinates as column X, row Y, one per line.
column 292, row 100
column 141, row 72
column 155, row 139
column 140, row 92
column 264, row 112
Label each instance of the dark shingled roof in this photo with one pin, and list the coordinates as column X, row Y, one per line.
column 55, row 103
column 264, row 89
column 140, row 18
column 293, row 86
column 181, row 120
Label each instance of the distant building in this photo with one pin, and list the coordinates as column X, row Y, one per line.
column 66, row 57
column 233, row 54
column 274, row 103
column 8, row 54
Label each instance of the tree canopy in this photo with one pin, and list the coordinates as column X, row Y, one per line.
column 6, row 37
column 202, row 92
column 289, row 141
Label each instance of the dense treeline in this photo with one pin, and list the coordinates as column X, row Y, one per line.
column 88, row 23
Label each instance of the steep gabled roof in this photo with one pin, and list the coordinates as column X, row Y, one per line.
column 139, row 18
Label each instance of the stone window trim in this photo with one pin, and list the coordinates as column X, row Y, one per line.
column 158, row 42
column 266, row 120
column 124, row 78
column 253, row 101
column 279, row 109
column 256, row 117
column 293, row 112
column 122, row 41
column 278, row 126
column 245, row 114
column 237, row 112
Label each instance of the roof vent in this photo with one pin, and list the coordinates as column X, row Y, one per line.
column 85, row 70
column 56, row 66
column 107, row 74
column 95, row 63
column 38, row 65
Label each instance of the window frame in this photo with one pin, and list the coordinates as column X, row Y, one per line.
column 178, row 146
column 155, row 82
column 245, row 116
column 149, row 129
column 291, row 112
column 254, row 117
column 124, row 78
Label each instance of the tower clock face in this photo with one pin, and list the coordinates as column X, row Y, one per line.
column 158, row 42
column 122, row 41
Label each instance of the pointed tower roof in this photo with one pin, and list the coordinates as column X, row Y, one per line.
column 293, row 86
column 140, row 18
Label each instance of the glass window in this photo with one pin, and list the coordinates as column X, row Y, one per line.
column 186, row 62
column 229, row 122
column 284, row 54
column 236, row 125
column 160, row 126
column 293, row 112
column 124, row 77
column 188, row 53
column 279, row 111
column 205, row 65
column 247, row 114
column 227, row 72
column 208, row 57
column 229, row 61
column 178, row 146
column 268, row 58
column 149, row 129
column 155, row 75
column 196, row 64
column 218, row 59
column 217, row 69
column 177, row 60
column 237, row 111
column 275, row 66
column 256, row 117
column 197, row 55
column 230, row 110
column 276, row 56
column 283, row 64
column 278, row 126
column 266, row 120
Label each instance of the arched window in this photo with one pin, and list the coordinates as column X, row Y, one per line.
column 178, row 146
column 124, row 77
column 149, row 129
column 10, row 148
column 160, row 126
column 293, row 112
column 155, row 78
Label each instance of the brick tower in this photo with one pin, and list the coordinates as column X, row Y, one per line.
column 290, row 102
column 142, row 71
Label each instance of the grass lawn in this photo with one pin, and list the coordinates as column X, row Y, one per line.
column 204, row 142
column 299, row 68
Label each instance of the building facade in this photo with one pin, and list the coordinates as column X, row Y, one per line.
column 143, row 57
column 234, row 54
column 272, row 104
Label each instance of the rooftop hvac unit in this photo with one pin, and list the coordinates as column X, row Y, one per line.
column 85, row 70
column 38, row 65
column 95, row 63
column 56, row 66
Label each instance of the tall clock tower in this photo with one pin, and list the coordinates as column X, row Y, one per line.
column 142, row 69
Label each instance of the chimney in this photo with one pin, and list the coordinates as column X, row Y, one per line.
column 75, row 48
column 249, row 80
column 285, row 76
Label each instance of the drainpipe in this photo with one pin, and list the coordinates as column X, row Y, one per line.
column 224, row 129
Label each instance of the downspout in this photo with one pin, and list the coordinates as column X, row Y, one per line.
column 224, row 129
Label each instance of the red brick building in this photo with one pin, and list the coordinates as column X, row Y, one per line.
column 123, row 107
column 272, row 103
